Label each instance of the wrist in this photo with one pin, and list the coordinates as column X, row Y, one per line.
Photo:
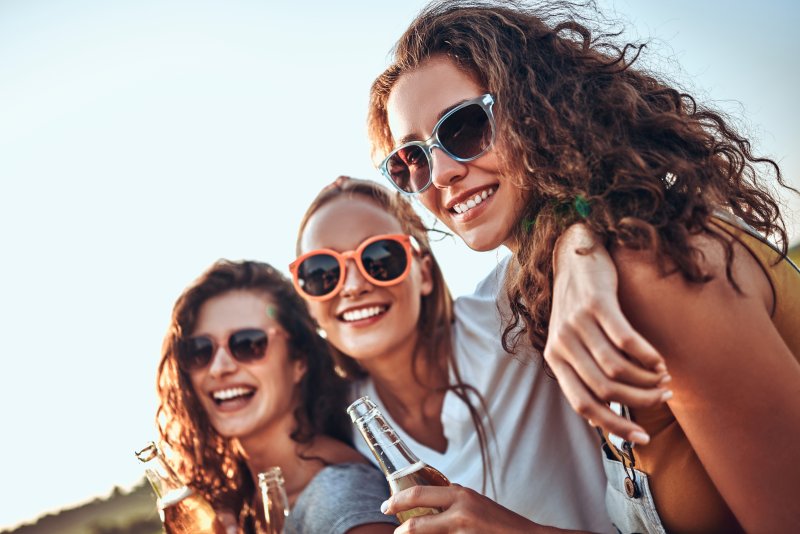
column 577, row 239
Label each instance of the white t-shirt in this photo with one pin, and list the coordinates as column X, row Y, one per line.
column 545, row 458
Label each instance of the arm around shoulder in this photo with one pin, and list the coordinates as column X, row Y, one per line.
column 736, row 383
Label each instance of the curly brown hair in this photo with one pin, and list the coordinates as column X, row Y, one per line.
column 207, row 461
column 646, row 164
column 434, row 339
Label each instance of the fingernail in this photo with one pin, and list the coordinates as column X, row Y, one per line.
column 640, row 438
column 591, row 423
column 384, row 506
column 667, row 395
column 661, row 367
column 665, row 379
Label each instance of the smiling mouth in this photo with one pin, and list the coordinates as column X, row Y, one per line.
column 463, row 207
column 224, row 396
column 351, row 316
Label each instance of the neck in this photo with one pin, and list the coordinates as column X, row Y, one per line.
column 274, row 447
column 405, row 383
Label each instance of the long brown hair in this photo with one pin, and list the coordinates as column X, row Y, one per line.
column 434, row 326
column 589, row 138
column 207, row 461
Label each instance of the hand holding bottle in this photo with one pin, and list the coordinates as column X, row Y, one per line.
column 464, row 511
column 399, row 464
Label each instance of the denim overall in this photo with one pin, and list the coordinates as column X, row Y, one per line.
column 628, row 499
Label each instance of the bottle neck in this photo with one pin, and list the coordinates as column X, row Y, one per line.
column 161, row 476
column 276, row 505
column 392, row 454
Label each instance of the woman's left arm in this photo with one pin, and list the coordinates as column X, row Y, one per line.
column 736, row 384
column 594, row 352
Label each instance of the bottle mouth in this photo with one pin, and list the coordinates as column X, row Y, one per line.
column 362, row 410
column 149, row 452
column 273, row 474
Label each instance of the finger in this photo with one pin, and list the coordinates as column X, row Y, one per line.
column 426, row 524
column 598, row 413
column 613, row 363
column 626, row 339
column 421, row 496
column 600, row 386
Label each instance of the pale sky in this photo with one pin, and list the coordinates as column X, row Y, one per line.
column 141, row 140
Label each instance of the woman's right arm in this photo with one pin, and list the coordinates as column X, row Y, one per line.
column 465, row 511
column 736, row 383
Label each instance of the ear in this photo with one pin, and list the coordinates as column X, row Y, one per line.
column 299, row 370
column 426, row 275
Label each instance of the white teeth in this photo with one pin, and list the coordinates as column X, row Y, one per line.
column 231, row 393
column 363, row 313
column 474, row 201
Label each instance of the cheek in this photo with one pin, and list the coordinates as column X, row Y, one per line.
column 319, row 311
column 196, row 379
column 430, row 199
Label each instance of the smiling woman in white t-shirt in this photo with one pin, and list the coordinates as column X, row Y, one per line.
column 491, row 423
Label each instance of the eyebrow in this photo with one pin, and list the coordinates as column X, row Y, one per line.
column 415, row 137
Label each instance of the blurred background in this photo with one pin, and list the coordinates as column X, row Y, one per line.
column 142, row 140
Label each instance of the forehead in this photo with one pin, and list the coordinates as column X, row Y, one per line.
column 342, row 224
column 235, row 310
column 419, row 97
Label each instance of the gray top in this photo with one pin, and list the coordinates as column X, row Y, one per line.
column 338, row 498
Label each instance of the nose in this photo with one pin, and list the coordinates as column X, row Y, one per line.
column 354, row 282
column 222, row 363
column 444, row 169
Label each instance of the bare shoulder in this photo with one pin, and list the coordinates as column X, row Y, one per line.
column 647, row 281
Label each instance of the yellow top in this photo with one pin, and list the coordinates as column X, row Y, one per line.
column 684, row 495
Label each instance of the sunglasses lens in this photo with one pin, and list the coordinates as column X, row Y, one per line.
column 466, row 133
column 318, row 274
column 385, row 260
column 248, row 345
column 195, row 353
column 409, row 169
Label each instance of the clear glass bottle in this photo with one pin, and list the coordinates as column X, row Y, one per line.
column 276, row 505
column 182, row 510
column 401, row 467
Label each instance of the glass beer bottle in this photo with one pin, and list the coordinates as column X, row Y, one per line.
column 182, row 510
column 276, row 505
column 401, row 467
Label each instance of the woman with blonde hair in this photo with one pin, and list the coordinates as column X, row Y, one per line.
column 496, row 426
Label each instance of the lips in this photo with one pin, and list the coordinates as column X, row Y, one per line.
column 232, row 396
column 361, row 313
column 466, row 202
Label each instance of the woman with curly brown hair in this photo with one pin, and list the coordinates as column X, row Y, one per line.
column 513, row 123
column 245, row 383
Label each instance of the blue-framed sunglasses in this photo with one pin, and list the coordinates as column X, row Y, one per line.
column 465, row 133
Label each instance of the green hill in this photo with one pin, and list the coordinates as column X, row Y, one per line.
column 120, row 513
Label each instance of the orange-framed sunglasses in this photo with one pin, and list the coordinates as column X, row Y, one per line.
column 384, row 260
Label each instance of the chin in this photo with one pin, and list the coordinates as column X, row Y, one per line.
column 481, row 242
